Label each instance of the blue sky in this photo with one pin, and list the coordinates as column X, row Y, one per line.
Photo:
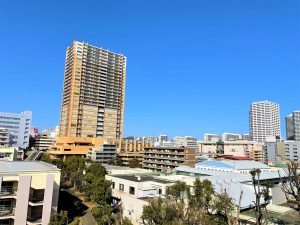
column 192, row 66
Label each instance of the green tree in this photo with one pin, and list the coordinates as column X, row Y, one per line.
column 111, row 161
column 118, row 161
column 208, row 193
column 134, row 163
column 97, row 169
column 103, row 214
column 126, row 221
column 60, row 218
column 202, row 206
column 160, row 212
column 179, row 190
column 73, row 170
column 45, row 157
column 101, row 191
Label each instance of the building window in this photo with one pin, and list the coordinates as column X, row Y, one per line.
column 121, row 187
column 131, row 190
column 113, row 185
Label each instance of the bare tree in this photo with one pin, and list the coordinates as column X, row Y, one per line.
column 260, row 192
column 291, row 185
column 232, row 219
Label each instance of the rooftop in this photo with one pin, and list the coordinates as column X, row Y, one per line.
column 234, row 164
column 23, row 166
column 267, row 175
column 232, row 157
column 142, row 178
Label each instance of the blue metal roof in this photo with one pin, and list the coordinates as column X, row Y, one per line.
column 214, row 163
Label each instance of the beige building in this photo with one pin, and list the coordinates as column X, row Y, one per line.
column 133, row 145
column 168, row 158
column 10, row 154
column 92, row 109
column 28, row 192
column 5, row 137
column 126, row 157
column 252, row 149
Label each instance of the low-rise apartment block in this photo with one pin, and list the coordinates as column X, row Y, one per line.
column 281, row 150
column 5, row 137
column 104, row 153
column 42, row 142
column 28, row 192
column 186, row 141
column 132, row 144
column 252, row 149
column 11, row 154
column 168, row 158
column 227, row 137
column 126, row 157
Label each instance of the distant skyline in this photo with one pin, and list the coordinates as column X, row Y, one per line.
column 193, row 67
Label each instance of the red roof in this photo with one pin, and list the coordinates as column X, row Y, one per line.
column 234, row 157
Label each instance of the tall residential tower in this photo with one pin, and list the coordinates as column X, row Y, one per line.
column 92, row 109
column 264, row 120
column 292, row 123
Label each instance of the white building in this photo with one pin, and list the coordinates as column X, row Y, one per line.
column 18, row 124
column 186, row 141
column 264, row 120
column 226, row 137
column 212, row 137
column 234, row 166
column 133, row 189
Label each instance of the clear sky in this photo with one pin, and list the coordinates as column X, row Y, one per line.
column 192, row 66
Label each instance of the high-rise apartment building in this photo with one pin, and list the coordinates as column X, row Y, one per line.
column 18, row 124
column 264, row 120
column 292, row 123
column 92, row 109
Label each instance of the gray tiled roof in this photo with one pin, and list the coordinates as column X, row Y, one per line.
column 17, row 166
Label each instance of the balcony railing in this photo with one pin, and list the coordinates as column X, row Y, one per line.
column 36, row 199
column 7, row 211
column 34, row 219
column 5, row 191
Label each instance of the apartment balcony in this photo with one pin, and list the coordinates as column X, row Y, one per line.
column 36, row 197
column 7, row 213
column 34, row 220
column 35, row 201
column 8, row 192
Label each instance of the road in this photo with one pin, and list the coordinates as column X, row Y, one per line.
column 88, row 218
